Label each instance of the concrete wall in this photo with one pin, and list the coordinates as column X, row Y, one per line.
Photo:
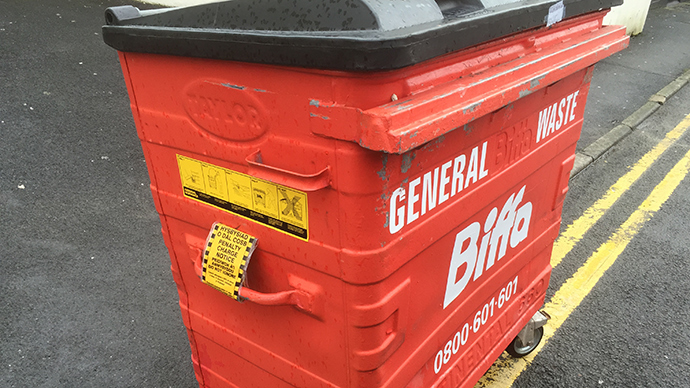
column 632, row 14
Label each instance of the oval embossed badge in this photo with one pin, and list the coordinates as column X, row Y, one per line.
column 228, row 111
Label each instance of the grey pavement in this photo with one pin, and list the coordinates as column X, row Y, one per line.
column 623, row 82
column 86, row 294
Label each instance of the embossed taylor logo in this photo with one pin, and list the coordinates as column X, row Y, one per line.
column 228, row 111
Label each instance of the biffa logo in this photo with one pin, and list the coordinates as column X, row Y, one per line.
column 511, row 225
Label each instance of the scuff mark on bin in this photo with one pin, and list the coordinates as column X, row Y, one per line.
column 472, row 107
column 382, row 172
column 234, row 86
column 524, row 93
column 363, row 145
column 400, row 105
column 535, row 82
column 315, row 103
column 467, row 128
column 407, row 159
column 439, row 140
column 384, row 200
column 565, row 66
column 260, row 90
column 319, row 116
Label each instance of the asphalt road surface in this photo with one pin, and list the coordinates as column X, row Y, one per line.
column 631, row 329
column 86, row 295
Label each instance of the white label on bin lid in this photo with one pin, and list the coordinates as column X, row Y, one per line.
column 226, row 258
column 556, row 13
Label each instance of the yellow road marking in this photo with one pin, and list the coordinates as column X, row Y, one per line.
column 575, row 231
column 574, row 290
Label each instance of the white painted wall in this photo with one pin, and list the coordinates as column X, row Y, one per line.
column 632, row 14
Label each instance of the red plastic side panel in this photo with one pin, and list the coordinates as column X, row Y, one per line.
column 422, row 266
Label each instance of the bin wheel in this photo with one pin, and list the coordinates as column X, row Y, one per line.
column 518, row 350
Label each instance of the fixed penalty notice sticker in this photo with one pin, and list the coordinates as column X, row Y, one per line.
column 226, row 258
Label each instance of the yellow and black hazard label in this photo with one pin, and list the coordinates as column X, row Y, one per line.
column 276, row 206
column 226, row 258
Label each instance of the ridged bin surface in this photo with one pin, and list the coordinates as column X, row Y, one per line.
column 432, row 197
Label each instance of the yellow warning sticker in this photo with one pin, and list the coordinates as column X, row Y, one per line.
column 226, row 258
column 276, row 206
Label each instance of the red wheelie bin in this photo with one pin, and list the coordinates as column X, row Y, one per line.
column 359, row 193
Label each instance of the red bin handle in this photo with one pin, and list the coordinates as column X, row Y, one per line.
column 296, row 297
column 303, row 295
column 303, row 182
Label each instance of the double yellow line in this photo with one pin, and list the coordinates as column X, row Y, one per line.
column 574, row 290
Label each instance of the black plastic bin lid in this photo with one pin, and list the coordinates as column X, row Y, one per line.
column 363, row 35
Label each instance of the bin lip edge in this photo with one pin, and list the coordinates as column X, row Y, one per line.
column 340, row 50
